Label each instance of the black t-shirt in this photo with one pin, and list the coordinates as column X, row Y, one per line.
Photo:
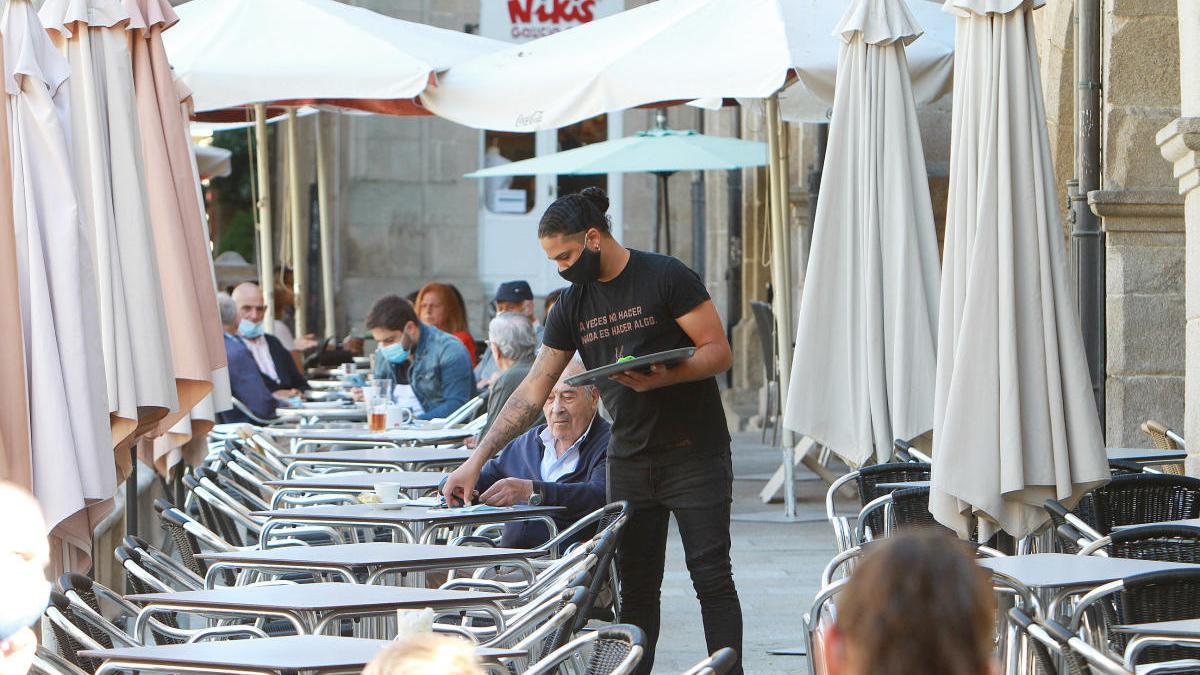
column 634, row 315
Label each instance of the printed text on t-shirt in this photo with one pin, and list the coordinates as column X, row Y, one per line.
column 614, row 323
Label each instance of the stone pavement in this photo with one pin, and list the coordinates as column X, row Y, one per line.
column 776, row 567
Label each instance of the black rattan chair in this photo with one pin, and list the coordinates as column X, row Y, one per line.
column 869, row 478
column 1145, row 598
column 612, row 650
column 1138, row 499
column 1163, row 542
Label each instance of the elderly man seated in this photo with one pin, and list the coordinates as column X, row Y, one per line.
column 512, row 345
column 245, row 380
column 275, row 362
column 562, row 463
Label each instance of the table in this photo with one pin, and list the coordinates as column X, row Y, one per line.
column 411, row 482
column 399, row 459
column 307, row 653
column 309, row 415
column 1058, row 575
column 366, row 563
column 415, row 524
column 1146, row 455
column 311, row 608
column 410, row 436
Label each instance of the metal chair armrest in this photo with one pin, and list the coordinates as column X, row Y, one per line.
column 472, row 540
column 1091, row 598
column 831, row 494
column 860, row 528
column 222, row 632
column 475, row 584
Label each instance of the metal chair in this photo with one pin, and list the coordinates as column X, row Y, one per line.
column 1145, row 498
column 612, row 650
column 162, row 566
column 1046, row 651
column 46, row 662
column 1167, row 543
column 1144, row 598
column 721, row 662
column 1165, row 439
column 867, row 480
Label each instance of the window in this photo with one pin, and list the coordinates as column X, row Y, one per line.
column 508, row 194
column 594, row 130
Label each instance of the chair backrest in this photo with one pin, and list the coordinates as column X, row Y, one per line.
column 1145, row 498
column 721, row 662
column 185, row 533
column 869, row 477
column 764, row 321
column 71, row 637
column 85, row 596
column 46, row 662
column 163, row 566
column 1168, row 543
column 910, row 509
column 603, row 572
column 545, row 628
column 1159, row 596
column 612, row 650
column 1162, row 437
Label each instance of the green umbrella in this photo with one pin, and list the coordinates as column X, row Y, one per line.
column 658, row 151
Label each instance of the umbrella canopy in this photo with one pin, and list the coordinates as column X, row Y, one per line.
column 653, row 151
column 111, row 182
column 16, row 464
column 1015, row 422
column 73, row 473
column 863, row 368
column 670, row 50
column 212, row 161
column 181, row 244
column 233, row 53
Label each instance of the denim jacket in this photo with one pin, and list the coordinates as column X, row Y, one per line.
column 439, row 372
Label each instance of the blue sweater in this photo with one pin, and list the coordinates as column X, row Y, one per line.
column 582, row 491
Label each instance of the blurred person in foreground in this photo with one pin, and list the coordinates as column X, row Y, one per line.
column 511, row 296
column 246, row 383
column 434, row 363
column 918, row 604
column 512, row 345
column 275, row 362
column 440, row 306
column 560, row 463
column 426, row 654
column 24, row 554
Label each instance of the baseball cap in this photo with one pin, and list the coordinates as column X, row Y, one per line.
column 514, row 291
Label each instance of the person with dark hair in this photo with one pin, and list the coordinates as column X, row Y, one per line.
column 441, row 306
column 669, row 453
column 434, row 363
column 925, row 579
column 551, row 300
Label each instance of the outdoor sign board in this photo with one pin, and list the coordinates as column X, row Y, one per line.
column 525, row 20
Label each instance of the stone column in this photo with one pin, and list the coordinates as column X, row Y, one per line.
column 1142, row 220
column 1180, row 145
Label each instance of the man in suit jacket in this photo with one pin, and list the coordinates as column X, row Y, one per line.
column 561, row 463
column 245, row 381
column 275, row 362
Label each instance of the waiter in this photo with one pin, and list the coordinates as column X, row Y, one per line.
column 669, row 452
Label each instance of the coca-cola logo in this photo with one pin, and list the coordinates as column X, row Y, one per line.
column 551, row 11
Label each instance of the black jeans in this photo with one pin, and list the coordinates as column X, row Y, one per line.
column 697, row 487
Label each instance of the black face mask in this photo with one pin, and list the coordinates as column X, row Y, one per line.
column 585, row 269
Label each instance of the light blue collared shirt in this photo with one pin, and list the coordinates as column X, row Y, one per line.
column 555, row 467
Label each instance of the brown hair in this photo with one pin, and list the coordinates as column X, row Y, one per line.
column 456, row 314
column 391, row 312
column 918, row 603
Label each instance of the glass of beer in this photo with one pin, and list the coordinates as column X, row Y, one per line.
column 377, row 415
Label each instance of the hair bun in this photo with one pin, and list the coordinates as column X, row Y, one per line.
column 596, row 196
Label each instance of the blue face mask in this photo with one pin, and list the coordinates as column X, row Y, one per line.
column 250, row 330
column 395, row 353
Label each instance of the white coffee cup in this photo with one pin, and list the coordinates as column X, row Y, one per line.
column 398, row 416
column 389, row 493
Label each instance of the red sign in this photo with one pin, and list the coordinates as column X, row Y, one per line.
column 524, row 20
column 550, row 11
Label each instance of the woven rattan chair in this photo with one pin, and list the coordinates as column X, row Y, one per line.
column 1144, row 598
column 867, row 480
column 1164, row 439
column 612, row 650
column 1145, row 498
column 1166, row 543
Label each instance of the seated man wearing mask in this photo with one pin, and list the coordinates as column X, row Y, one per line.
column 512, row 345
column 434, row 363
column 562, row 463
column 275, row 362
column 245, row 381
column 511, row 296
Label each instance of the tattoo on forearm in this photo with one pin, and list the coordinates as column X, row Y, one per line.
column 519, row 412
column 516, row 416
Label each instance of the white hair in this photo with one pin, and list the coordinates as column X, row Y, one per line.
column 513, row 335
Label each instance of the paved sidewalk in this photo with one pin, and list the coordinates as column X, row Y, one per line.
column 776, row 566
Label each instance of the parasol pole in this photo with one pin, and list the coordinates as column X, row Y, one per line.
column 326, row 232
column 266, row 249
column 777, row 180
column 299, row 241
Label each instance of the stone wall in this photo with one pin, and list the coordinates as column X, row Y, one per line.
column 1143, row 220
